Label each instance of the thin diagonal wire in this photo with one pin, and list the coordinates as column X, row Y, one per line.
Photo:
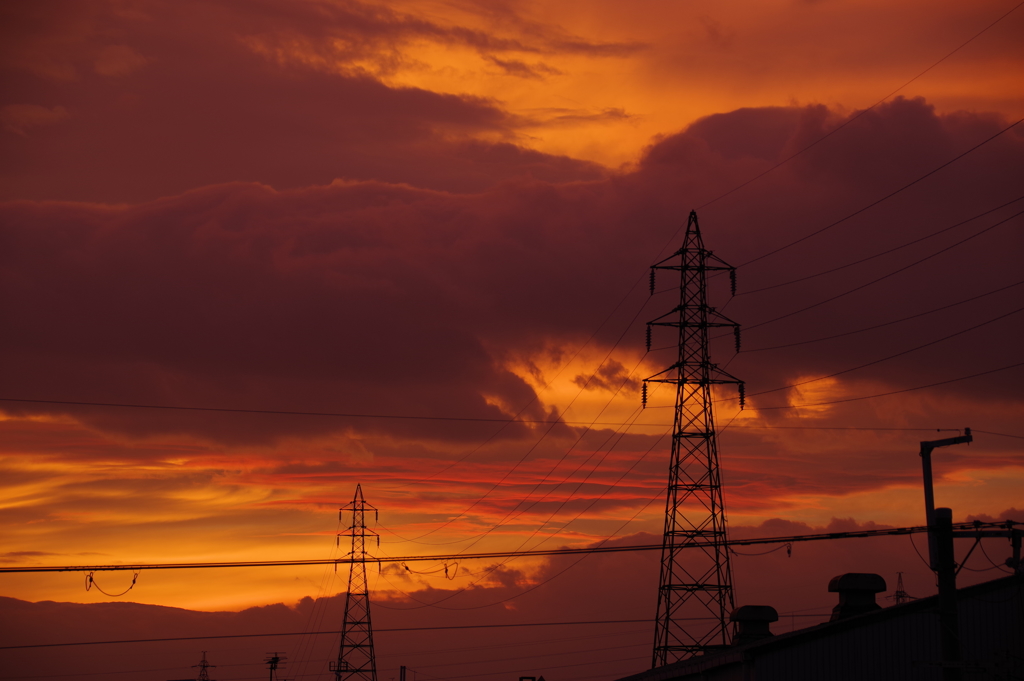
column 884, row 198
column 892, row 392
column 988, row 432
column 890, row 323
column 880, row 254
column 883, row 277
column 860, row 113
column 885, row 359
column 533, row 447
column 506, row 560
column 619, row 340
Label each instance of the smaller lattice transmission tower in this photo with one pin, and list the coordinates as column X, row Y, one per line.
column 900, row 595
column 356, row 660
column 204, row 666
column 695, row 588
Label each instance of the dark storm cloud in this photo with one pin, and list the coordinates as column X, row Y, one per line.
column 206, row 94
column 376, row 297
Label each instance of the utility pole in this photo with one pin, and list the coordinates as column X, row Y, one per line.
column 695, row 591
column 273, row 661
column 929, row 493
column 356, row 660
column 942, row 560
column 949, row 618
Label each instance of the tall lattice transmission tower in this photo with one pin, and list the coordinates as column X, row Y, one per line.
column 356, row 661
column 695, row 589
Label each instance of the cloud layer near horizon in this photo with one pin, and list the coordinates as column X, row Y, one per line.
column 603, row 587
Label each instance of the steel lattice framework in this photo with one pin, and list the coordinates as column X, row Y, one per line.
column 204, row 675
column 695, row 589
column 356, row 660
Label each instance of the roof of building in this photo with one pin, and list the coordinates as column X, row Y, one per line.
column 742, row 653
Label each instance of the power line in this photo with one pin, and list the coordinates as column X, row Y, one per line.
column 929, row 430
column 533, row 447
column 536, row 396
column 286, row 412
column 884, row 276
column 884, row 359
column 588, row 425
column 1016, row 437
column 546, row 667
column 520, row 550
column 892, row 392
column 558, row 373
column 884, row 198
column 879, row 326
column 559, row 653
column 103, row 673
column 318, row 633
column 880, row 254
column 479, row 556
column 582, row 557
column 860, row 113
column 283, row 412
column 519, row 643
column 498, row 420
column 454, row 418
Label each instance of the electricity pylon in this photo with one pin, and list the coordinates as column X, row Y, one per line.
column 695, row 588
column 356, row 661
column 900, row 596
column 204, row 675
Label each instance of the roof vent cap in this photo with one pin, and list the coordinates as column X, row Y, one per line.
column 856, row 594
column 752, row 623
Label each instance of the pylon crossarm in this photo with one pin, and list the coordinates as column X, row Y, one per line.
column 702, row 254
column 710, row 255
column 725, row 321
column 664, row 371
column 725, row 376
column 698, row 325
column 675, row 310
column 685, row 381
column 690, row 268
column 693, row 309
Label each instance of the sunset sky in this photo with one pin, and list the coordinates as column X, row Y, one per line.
column 447, row 209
